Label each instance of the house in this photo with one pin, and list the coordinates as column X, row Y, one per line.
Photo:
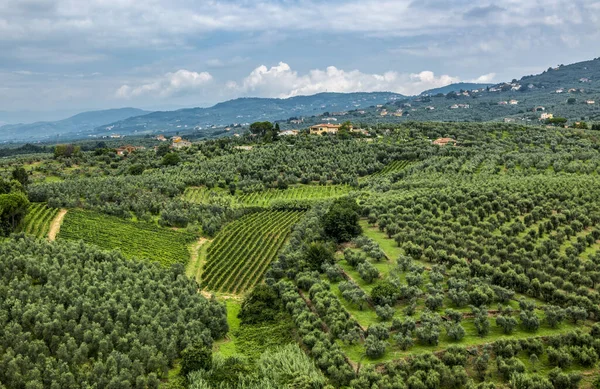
column 297, row 121
column 288, row 133
column 546, row 116
column 161, row 138
column 128, row 149
column 176, row 139
column 245, row 148
column 324, row 128
column 572, row 90
column 116, row 136
column 444, row 141
column 341, row 113
column 503, row 103
column 539, row 108
column 430, row 108
column 584, row 79
column 399, row 113
column 590, row 102
column 360, row 131
column 513, row 102
column 181, row 144
column 509, row 120
column 383, row 112
column 560, row 90
column 454, row 106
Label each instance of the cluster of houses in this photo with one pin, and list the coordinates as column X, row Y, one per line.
column 509, row 102
column 177, row 142
column 128, row 149
column 457, row 106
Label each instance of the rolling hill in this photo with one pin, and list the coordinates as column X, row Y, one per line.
column 455, row 88
column 246, row 110
column 73, row 127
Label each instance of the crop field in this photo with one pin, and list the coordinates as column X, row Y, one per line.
column 301, row 192
column 241, row 253
column 392, row 167
column 133, row 239
column 38, row 220
column 202, row 195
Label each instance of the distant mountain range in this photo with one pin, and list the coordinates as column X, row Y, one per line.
column 246, row 110
column 455, row 88
column 73, row 127
column 564, row 90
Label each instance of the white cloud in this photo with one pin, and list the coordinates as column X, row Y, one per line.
column 179, row 82
column 485, row 79
column 282, row 81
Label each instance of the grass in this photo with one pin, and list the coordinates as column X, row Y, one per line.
column 355, row 352
column 227, row 347
column 133, row 239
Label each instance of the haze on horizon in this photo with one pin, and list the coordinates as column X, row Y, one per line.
column 69, row 55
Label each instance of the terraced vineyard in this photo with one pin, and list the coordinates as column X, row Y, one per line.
column 392, row 167
column 134, row 239
column 241, row 253
column 300, row 192
column 38, row 220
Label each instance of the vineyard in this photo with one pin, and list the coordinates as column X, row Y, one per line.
column 38, row 220
column 240, row 254
column 301, row 192
column 203, row 195
column 392, row 167
column 133, row 239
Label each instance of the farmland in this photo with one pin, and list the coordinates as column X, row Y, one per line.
column 38, row 220
column 267, row 197
column 133, row 239
column 240, row 254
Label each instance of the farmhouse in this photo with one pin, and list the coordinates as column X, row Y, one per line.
column 324, row 128
column 128, row 149
column 590, row 102
column 161, row 138
column 181, row 144
column 288, row 133
column 444, row 141
column 503, row 103
column 513, row 102
column 546, row 116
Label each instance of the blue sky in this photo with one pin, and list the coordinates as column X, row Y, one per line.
column 161, row 54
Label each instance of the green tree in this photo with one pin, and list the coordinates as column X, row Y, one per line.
column 21, row 175
column 194, row 358
column 341, row 221
column 171, row 159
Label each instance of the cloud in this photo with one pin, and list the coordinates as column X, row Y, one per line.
column 281, row 81
column 485, row 79
column 179, row 82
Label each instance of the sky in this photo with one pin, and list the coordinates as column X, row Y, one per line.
column 74, row 55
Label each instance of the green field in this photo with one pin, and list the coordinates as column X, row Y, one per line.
column 133, row 239
column 300, row 192
column 392, row 167
column 202, row 195
column 241, row 253
column 38, row 220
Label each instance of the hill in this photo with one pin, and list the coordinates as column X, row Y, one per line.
column 246, row 110
column 73, row 127
column 455, row 88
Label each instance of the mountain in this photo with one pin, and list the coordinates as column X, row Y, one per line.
column 246, row 110
column 455, row 88
column 73, row 127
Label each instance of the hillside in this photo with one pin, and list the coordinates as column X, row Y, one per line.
column 246, row 110
column 455, row 88
column 73, row 127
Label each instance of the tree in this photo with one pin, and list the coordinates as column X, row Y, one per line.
column 194, row 358
column 384, row 312
column 481, row 320
column 576, row 314
column 13, row 208
column 341, row 221
column 554, row 315
column 529, row 320
column 265, row 130
column 261, row 305
column 368, row 272
column 571, row 100
column 318, row 254
column 374, row 347
column 21, row 175
column 533, row 360
column 163, row 149
column 384, row 292
column 508, row 323
column 171, row 159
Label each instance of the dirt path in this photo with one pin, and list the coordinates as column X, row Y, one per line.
column 55, row 225
column 194, row 265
